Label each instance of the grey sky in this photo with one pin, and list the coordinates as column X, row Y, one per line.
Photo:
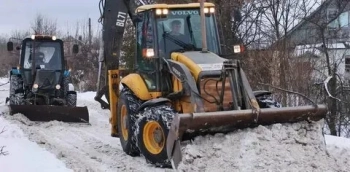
column 19, row 14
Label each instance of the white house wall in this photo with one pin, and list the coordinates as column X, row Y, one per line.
column 337, row 54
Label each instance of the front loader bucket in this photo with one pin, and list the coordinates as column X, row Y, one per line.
column 51, row 113
column 225, row 121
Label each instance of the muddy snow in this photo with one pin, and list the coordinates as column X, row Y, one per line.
column 280, row 147
column 82, row 147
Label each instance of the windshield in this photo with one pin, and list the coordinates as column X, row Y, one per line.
column 47, row 55
column 182, row 29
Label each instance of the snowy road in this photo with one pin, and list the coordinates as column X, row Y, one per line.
column 81, row 147
column 60, row 147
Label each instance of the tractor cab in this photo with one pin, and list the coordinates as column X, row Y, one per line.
column 45, row 53
column 41, row 54
column 166, row 28
column 163, row 29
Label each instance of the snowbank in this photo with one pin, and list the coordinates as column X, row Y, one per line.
column 339, row 142
column 24, row 155
column 280, row 147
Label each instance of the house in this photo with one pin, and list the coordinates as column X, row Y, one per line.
column 327, row 28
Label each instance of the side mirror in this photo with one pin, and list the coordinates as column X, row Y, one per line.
column 236, row 15
column 75, row 48
column 9, row 46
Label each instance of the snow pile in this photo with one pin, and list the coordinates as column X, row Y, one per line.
column 82, row 147
column 279, row 147
column 24, row 155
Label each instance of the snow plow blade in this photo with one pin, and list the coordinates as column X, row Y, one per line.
column 52, row 113
column 225, row 121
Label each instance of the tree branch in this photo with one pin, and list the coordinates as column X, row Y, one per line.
column 2, row 151
column 288, row 91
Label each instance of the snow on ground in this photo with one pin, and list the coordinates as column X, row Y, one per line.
column 81, row 147
column 280, row 147
column 24, row 155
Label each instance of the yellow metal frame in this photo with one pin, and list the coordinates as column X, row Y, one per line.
column 135, row 83
column 192, row 66
column 113, row 99
column 184, row 105
column 169, row 6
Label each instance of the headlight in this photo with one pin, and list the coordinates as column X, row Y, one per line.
column 58, row 87
column 211, row 10
column 148, row 52
column 162, row 11
column 35, row 86
column 158, row 11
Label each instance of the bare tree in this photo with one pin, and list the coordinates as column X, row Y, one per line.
column 325, row 36
column 84, row 65
column 278, row 18
column 10, row 59
column 45, row 26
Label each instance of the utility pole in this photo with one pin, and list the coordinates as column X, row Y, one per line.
column 90, row 36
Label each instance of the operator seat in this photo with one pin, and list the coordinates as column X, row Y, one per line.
column 39, row 58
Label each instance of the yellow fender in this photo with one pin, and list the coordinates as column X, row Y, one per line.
column 137, row 85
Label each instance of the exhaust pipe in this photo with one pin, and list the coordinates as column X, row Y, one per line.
column 226, row 121
column 203, row 28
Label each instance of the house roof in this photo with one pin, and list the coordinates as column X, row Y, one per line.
column 303, row 21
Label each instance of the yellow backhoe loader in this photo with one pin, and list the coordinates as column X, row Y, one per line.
column 180, row 86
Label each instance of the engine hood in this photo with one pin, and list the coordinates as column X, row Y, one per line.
column 47, row 79
column 198, row 62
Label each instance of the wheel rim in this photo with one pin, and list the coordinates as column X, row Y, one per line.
column 153, row 137
column 123, row 122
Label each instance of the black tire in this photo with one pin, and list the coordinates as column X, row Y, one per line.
column 71, row 99
column 268, row 102
column 70, row 96
column 160, row 116
column 66, row 81
column 129, row 103
column 16, row 90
